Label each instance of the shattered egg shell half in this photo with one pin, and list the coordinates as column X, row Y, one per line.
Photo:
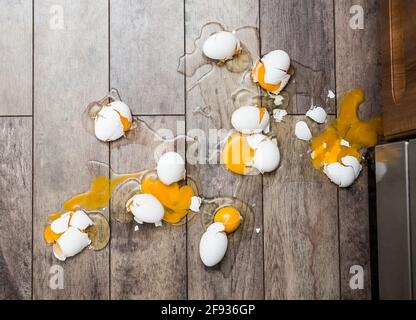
column 221, row 46
column 112, row 121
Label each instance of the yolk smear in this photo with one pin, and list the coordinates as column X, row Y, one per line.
column 237, row 154
column 176, row 200
column 124, row 121
column 50, row 236
column 262, row 113
column 258, row 73
column 230, row 217
column 327, row 147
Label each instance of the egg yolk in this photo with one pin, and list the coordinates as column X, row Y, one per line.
column 237, row 154
column 230, row 217
column 50, row 236
column 258, row 73
column 328, row 147
column 175, row 199
column 124, row 121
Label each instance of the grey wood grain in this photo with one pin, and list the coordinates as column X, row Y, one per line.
column 15, row 208
column 16, row 57
column 240, row 274
column 147, row 39
column 358, row 65
column 71, row 69
column 300, row 223
column 149, row 263
column 305, row 30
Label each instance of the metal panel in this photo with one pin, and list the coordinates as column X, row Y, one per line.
column 412, row 197
column 393, row 221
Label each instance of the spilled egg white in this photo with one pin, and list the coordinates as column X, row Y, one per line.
column 213, row 244
column 250, row 119
column 221, row 46
column 146, row 208
column 171, row 168
column 266, row 156
column 70, row 243
column 108, row 125
column 302, row 131
column 317, row 114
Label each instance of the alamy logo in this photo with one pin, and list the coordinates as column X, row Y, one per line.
column 56, row 280
column 56, row 21
column 357, row 20
column 357, row 280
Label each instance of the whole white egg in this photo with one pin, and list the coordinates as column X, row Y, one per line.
column 146, row 208
column 247, row 119
column 266, row 156
column 171, row 168
column 213, row 244
column 222, row 46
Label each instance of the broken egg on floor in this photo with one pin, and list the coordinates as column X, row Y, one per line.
column 213, row 244
column 230, row 217
column 146, row 208
column 317, row 114
column 112, row 121
column 302, row 131
column 271, row 71
column 70, row 243
column 250, row 119
column 243, row 153
column 221, row 46
column 345, row 173
column 171, row 168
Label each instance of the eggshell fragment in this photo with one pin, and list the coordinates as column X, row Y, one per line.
column 352, row 162
column 221, row 46
column 108, row 124
column 317, row 114
column 61, row 224
column 195, row 204
column 340, row 175
column 123, row 109
column 267, row 156
column 146, row 208
column 254, row 140
column 213, row 245
column 279, row 114
column 80, row 220
column 302, row 131
column 70, row 243
column 171, row 168
column 250, row 119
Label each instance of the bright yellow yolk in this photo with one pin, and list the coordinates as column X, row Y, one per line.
column 359, row 134
column 50, row 236
column 230, row 217
column 124, row 121
column 176, row 200
column 237, row 154
column 258, row 73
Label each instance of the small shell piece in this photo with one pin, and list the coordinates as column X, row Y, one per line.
column 195, row 204
column 221, row 46
column 250, row 119
column 302, row 131
column 317, row 114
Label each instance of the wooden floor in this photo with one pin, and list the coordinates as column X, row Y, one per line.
column 311, row 233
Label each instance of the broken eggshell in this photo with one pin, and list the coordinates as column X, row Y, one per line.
column 70, row 243
column 302, row 131
column 266, row 156
column 221, row 46
column 80, row 220
column 112, row 121
column 146, row 208
column 317, row 114
column 171, row 168
column 345, row 173
column 250, row 119
column 213, row 244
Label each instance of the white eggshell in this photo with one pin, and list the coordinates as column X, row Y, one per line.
column 72, row 242
column 123, row 108
column 80, row 220
column 302, row 131
column 221, row 46
column 279, row 114
column 171, row 168
column 61, row 224
column 344, row 143
column 146, row 208
column 195, row 204
column 350, row 161
column 254, row 140
column 108, row 125
column 266, row 157
column 247, row 120
column 277, row 59
column 339, row 174
column 56, row 249
column 317, row 114
column 213, row 245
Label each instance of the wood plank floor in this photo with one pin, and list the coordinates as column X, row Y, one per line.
column 58, row 55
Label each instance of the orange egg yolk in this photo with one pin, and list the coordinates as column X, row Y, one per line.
column 50, row 236
column 258, row 73
column 175, row 199
column 124, row 121
column 327, row 147
column 237, row 154
column 230, row 217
